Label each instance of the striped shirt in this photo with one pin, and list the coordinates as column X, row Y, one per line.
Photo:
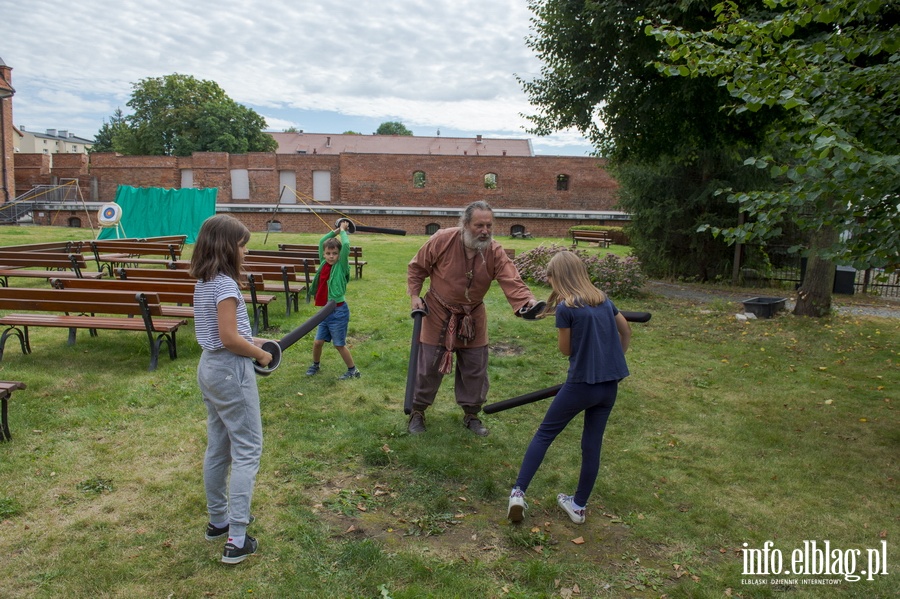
column 207, row 295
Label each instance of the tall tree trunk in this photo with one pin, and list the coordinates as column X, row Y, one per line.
column 814, row 294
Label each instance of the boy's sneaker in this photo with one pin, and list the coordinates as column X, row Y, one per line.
column 517, row 506
column 314, row 369
column 567, row 503
column 214, row 533
column 235, row 555
column 352, row 373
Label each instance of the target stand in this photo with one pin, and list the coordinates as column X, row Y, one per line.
column 110, row 216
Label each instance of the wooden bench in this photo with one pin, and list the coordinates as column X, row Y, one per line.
column 601, row 238
column 48, row 264
column 113, row 253
column 78, row 308
column 64, row 247
column 355, row 254
column 178, row 240
column 164, row 281
column 6, row 391
column 278, row 275
column 297, row 271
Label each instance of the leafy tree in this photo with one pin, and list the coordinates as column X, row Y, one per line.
column 598, row 77
column 177, row 115
column 833, row 68
column 105, row 140
column 392, row 128
column 291, row 129
column 352, row 133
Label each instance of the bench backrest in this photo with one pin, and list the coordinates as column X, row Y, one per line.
column 65, row 247
column 166, row 275
column 56, row 260
column 177, row 240
column 304, row 247
column 154, row 273
column 169, row 290
column 135, row 248
column 78, row 301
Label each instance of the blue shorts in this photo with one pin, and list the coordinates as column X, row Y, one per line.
column 334, row 327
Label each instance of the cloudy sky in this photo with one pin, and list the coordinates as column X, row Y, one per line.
column 324, row 67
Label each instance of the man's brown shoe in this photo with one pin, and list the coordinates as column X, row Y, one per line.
column 416, row 423
column 471, row 422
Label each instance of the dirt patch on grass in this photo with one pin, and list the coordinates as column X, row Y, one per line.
column 506, row 349
column 479, row 532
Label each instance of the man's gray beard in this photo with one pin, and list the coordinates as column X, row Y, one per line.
column 473, row 243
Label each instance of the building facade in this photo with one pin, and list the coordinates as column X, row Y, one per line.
column 53, row 141
column 541, row 195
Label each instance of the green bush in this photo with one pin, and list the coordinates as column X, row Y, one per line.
column 619, row 277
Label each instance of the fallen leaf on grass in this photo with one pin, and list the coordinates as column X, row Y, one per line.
column 538, row 548
column 351, row 529
column 578, row 541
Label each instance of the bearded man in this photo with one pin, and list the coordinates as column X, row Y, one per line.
column 461, row 263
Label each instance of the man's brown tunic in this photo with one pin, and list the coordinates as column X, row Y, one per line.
column 443, row 260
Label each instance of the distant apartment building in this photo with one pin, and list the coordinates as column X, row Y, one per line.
column 53, row 141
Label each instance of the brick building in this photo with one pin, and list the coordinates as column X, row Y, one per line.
column 543, row 195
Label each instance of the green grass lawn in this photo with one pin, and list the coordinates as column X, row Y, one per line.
column 726, row 434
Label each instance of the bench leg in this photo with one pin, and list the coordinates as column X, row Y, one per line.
column 4, row 422
column 254, row 326
column 22, row 336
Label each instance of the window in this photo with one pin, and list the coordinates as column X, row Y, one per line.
column 322, row 186
column 419, row 179
column 490, row 181
column 432, row 228
column 74, row 222
column 273, row 226
column 562, row 182
column 288, row 182
column 240, row 184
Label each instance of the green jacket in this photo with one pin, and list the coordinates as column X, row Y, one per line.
column 340, row 272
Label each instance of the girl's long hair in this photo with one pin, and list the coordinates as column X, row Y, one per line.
column 218, row 248
column 571, row 282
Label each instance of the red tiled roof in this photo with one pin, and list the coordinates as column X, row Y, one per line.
column 331, row 143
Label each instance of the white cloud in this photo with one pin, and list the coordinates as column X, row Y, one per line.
column 428, row 63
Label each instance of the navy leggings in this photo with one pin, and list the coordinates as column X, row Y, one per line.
column 596, row 401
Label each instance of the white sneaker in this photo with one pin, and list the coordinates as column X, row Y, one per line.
column 517, row 506
column 567, row 503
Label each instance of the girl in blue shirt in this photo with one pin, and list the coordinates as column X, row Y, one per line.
column 595, row 337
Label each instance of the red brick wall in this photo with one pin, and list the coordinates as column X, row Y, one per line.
column 357, row 180
column 454, row 181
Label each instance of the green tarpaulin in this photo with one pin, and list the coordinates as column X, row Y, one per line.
column 153, row 211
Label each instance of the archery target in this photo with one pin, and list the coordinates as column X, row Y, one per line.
column 109, row 215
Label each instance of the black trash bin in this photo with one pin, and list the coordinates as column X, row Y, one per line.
column 844, row 280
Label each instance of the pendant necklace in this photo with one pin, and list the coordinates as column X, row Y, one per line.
column 470, row 274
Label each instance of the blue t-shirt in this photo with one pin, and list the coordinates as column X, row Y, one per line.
column 597, row 355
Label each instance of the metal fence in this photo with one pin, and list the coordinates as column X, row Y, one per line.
column 789, row 269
